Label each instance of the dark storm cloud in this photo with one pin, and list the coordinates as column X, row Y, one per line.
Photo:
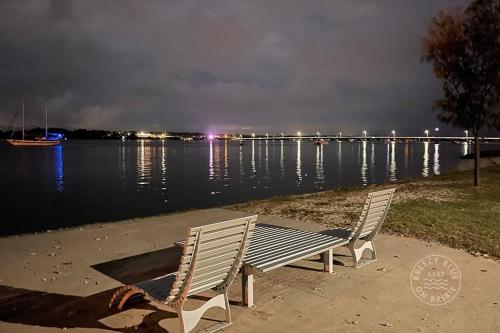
column 216, row 65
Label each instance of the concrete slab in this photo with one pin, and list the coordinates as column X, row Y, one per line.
column 63, row 279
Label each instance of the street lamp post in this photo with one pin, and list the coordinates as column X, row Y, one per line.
column 282, row 135
column 364, row 133
column 466, row 134
column 394, row 135
column 318, row 134
column 253, row 135
column 427, row 133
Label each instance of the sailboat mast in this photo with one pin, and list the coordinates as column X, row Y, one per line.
column 23, row 120
column 46, row 129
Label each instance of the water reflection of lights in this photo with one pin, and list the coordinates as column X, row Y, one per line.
column 320, row 175
column 266, row 162
column 253, row 159
column 164, row 170
column 144, row 164
column 211, row 161
column 242, row 172
column 282, row 160
column 59, row 168
column 364, row 165
column 372, row 159
column 339, row 154
column 388, row 160
column 436, row 159
column 465, row 148
column 299, row 163
column 425, row 170
column 405, row 155
column 123, row 168
column 393, row 162
column 339, row 158
column 260, row 156
column 217, row 161
column 226, row 164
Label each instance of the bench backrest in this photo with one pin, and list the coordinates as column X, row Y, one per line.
column 212, row 256
column 373, row 215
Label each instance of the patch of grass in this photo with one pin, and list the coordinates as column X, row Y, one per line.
column 468, row 219
column 472, row 223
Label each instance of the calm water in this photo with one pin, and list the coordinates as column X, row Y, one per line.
column 86, row 182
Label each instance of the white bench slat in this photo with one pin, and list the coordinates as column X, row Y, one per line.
column 295, row 256
column 377, row 210
column 279, row 253
column 264, row 238
column 201, row 280
column 378, row 204
column 223, row 233
column 205, row 287
column 379, row 199
column 218, row 250
column 381, row 192
column 273, row 247
column 277, row 247
column 215, row 226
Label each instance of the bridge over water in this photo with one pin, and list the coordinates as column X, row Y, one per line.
column 374, row 138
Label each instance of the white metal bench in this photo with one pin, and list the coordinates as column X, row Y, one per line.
column 211, row 259
column 273, row 246
column 372, row 217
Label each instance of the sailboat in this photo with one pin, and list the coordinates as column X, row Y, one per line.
column 39, row 142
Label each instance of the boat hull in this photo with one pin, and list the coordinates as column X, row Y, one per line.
column 33, row 143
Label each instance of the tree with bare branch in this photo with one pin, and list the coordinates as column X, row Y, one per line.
column 463, row 47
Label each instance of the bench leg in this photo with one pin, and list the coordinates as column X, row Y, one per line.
column 247, row 287
column 328, row 261
column 189, row 319
column 357, row 254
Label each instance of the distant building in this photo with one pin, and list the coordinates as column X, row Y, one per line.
column 152, row 135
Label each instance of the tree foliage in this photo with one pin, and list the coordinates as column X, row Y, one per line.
column 464, row 49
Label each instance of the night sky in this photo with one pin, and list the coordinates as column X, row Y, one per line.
column 222, row 66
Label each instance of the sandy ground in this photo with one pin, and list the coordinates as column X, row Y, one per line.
column 62, row 281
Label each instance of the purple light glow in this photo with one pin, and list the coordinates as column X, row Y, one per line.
column 211, row 137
